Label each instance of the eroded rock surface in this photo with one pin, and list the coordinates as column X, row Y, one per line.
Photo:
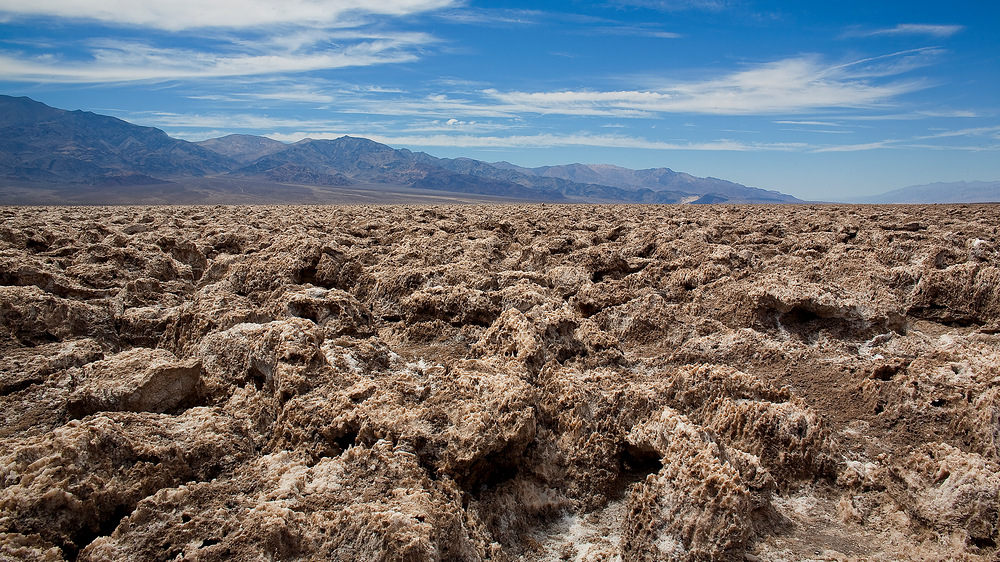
column 500, row 383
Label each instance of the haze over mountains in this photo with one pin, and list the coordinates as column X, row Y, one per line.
column 938, row 192
column 51, row 154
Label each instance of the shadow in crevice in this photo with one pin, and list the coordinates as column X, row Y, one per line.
column 634, row 466
column 488, row 472
column 103, row 528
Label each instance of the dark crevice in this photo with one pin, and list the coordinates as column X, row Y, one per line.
column 347, row 440
column 634, row 465
column 798, row 316
column 487, row 473
column 943, row 315
column 104, row 528
column 616, row 274
column 888, row 371
column 587, row 309
column 33, row 340
column 984, row 542
column 256, row 377
column 18, row 386
column 306, row 275
column 639, row 462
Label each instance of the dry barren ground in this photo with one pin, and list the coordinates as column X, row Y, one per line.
column 500, row 383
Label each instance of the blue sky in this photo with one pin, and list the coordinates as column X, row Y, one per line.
column 816, row 99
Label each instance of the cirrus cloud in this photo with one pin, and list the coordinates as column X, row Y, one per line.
column 175, row 15
column 130, row 61
column 786, row 86
column 914, row 29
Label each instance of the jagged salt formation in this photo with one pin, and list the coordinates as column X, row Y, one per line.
column 499, row 383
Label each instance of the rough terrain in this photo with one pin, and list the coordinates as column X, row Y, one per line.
column 500, row 383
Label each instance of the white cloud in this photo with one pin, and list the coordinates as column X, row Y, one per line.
column 812, row 123
column 228, row 121
column 785, row 86
column 915, row 29
column 638, row 31
column 452, row 126
column 857, row 147
column 677, row 5
column 174, row 15
column 921, row 114
column 976, row 131
column 493, row 16
column 546, row 141
column 121, row 61
column 979, row 148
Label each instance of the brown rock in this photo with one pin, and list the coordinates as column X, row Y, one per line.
column 138, row 380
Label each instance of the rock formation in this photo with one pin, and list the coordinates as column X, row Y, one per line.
column 500, row 383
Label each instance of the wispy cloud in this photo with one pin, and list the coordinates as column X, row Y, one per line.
column 492, row 16
column 230, row 121
column 810, row 123
column 459, row 126
column 786, row 86
column 857, row 147
column 910, row 116
column 569, row 22
column 174, row 15
column 910, row 29
column 633, row 30
column 995, row 147
column 125, row 61
column 990, row 133
column 971, row 132
column 676, row 5
column 543, row 140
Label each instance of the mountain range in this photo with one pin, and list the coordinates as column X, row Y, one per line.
column 50, row 155
column 939, row 192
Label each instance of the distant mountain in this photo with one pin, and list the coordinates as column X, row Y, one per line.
column 660, row 179
column 954, row 192
column 41, row 145
column 558, row 188
column 359, row 159
column 243, row 148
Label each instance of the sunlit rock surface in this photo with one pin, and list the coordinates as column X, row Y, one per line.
column 500, row 383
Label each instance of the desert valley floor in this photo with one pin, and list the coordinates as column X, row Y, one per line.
column 500, row 383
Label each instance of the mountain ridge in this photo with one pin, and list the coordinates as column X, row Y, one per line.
column 41, row 145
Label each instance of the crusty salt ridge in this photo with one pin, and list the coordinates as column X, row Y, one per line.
column 500, row 383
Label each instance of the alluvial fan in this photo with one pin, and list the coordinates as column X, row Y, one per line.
column 500, row 383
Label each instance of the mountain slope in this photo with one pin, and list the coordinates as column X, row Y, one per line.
column 243, row 148
column 564, row 187
column 41, row 143
column 660, row 179
column 952, row 192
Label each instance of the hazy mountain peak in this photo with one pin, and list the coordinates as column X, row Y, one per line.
column 243, row 148
column 940, row 192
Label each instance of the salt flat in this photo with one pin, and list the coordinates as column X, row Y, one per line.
column 498, row 382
